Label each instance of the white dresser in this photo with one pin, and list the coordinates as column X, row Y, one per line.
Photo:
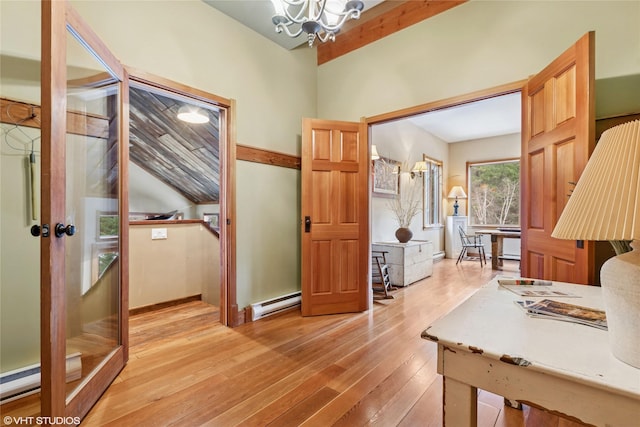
column 452, row 242
column 408, row 262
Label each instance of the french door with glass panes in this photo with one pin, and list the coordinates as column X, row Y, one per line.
column 83, row 224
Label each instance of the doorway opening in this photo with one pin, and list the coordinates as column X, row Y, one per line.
column 415, row 134
column 178, row 196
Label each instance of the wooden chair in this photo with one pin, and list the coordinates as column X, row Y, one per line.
column 380, row 281
column 471, row 241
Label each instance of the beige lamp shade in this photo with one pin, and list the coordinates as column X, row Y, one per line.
column 457, row 193
column 419, row 167
column 605, row 204
column 374, row 153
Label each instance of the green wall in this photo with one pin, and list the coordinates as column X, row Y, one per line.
column 475, row 46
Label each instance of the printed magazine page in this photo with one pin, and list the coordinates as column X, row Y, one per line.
column 568, row 312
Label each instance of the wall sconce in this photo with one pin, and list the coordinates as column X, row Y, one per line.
column 456, row 192
column 418, row 169
column 374, row 153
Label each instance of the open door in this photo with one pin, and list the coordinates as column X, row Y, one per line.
column 558, row 122
column 84, row 217
column 335, row 217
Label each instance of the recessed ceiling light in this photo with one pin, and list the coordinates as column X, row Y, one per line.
column 192, row 114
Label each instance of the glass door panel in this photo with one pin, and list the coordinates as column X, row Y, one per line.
column 91, row 228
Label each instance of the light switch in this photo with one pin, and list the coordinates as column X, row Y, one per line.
column 158, row 233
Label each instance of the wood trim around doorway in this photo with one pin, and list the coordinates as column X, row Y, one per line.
column 448, row 102
column 228, row 304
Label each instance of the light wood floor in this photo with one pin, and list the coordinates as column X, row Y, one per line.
column 341, row 370
column 185, row 369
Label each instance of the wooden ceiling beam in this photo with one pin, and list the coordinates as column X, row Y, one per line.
column 380, row 21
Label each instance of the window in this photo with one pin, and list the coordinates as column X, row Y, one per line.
column 105, row 250
column 494, row 192
column 108, row 226
column 432, row 180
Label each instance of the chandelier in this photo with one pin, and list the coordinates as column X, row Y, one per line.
column 320, row 19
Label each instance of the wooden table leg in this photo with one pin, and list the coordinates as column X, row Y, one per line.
column 494, row 252
column 500, row 250
column 460, row 404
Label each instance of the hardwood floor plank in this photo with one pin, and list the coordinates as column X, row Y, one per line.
column 296, row 415
column 427, row 411
column 265, row 413
column 354, row 369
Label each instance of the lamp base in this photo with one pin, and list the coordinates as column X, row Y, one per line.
column 455, row 207
column 620, row 277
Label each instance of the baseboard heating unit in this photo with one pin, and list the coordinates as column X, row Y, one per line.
column 25, row 381
column 275, row 305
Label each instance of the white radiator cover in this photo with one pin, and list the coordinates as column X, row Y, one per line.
column 24, row 385
column 275, row 305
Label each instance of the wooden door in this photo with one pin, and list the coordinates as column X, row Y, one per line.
column 558, row 125
column 335, row 217
column 83, row 185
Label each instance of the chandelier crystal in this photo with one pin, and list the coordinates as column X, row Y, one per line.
column 320, row 19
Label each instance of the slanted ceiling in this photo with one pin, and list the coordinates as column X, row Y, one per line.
column 184, row 156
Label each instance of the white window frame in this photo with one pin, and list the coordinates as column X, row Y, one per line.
column 432, row 193
column 471, row 213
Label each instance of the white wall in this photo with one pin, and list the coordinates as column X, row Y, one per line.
column 149, row 194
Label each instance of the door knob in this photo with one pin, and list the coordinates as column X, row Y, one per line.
column 36, row 230
column 61, row 229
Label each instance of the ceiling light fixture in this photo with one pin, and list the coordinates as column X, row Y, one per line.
column 191, row 114
column 320, row 19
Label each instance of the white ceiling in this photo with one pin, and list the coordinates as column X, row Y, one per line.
column 481, row 119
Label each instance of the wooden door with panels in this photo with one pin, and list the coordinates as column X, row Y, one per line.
column 558, row 123
column 335, row 217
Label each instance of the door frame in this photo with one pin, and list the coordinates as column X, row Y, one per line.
column 505, row 89
column 57, row 16
column 227, row 141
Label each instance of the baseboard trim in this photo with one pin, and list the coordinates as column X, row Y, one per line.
column 165, row 304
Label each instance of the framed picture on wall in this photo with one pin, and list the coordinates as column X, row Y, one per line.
column 386, row 177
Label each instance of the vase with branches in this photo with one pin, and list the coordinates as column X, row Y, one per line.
column 405, row 207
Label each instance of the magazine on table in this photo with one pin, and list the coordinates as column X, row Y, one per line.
column 558, row 310
column 534, row 288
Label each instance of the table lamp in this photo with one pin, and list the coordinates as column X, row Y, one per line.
column 605, row 205
column 456, row 192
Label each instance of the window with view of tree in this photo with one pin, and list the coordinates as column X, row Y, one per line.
column 494, row 192
column 432, row 180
